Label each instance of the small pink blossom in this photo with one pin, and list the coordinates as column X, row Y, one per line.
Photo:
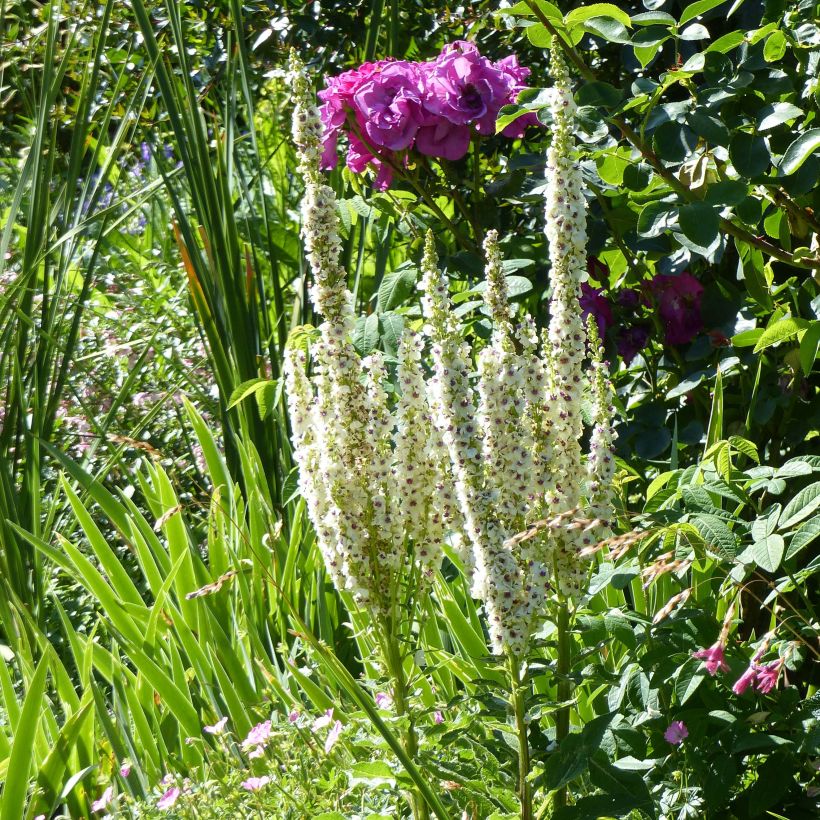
column 383, row 700
column 333, row 736
column 125, row 770
column 746, row 679
column 168, row 799
column 104, row 799
column 713, row 659
column 258, row 736
column 253, row 784
column 293, row 716
column 40, row 817
column 676, row 733
column 438, row 717
column 257, row 751
column 321, row 722
column 767, row 676
column 217, row 727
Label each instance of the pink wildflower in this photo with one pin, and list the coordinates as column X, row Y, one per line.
column 253, row 784
column 168, row 799
column 257, row 751
column 104, row 799
column 125, row 769
column 438, row 717
column 217, row 727
column 676, row 733
column 325, row 720
column 333, row 736
column 767, row 676
column 258, row 736
column 746, row 679
column 293, row 716
column 383, row 700
column 713, row 659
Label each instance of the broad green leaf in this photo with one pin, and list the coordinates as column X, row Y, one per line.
column 781, row 331
column 366, row 334
column 726, row 43
column 655, row 218
column 775, row 47
column 695, row 32
column 768, row 552
column 749, row 154
column 600, row 10
column 774, row 114
column 716, row 534
column 689, row 678
column 801, row 506
column 395, row 287
column 803, row 536
column 652, row 18
column 699, row 223
column 598, row 93
column 747, row 338
column 375, row 774
column 799, row 151
column 809, row 345
column 611, row 30
column 696, row 9
column 539, row 36
column 244, row 390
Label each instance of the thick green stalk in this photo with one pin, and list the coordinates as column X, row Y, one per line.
column 518, row 688
column 564, row 687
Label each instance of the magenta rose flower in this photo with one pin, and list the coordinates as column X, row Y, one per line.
column 678, row 302
column 441, row 138
column 594, row 303
column 466, row 88
column 388, row 105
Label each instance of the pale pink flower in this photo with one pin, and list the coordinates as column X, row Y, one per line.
column 676, row 733
column 168, row 799
column 438, row 717
column 104, row 799
column 713, row 659
column 125, row 769
column 258, row 736
column 257, row 751
column 40, row 817
column 325, row 720
column 333, row 736
column 253, row 784
column 217, row 727
column 383, row 700
column 293, row 716
column 767, row 676
column 746, row 679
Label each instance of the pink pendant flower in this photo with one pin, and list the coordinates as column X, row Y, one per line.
column 104, row 799
column 676, row 733
column 767, row 676
column 713, row 659
column 748, row 678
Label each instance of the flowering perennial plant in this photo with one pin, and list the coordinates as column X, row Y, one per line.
column 434, row 108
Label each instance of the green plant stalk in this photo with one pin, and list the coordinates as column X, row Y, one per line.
column 564, row 687
column 518, row 688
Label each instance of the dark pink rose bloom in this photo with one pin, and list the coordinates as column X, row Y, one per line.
column 678, row 302
column 767, row 676
column 593, row 302
column 466, row 88
column 337, row 99
column 629, row 299
column 631, row 341
column 517, row 75
column 441, row 138
column 388, row 105
column 713, row 659
column 746, row 679
column 676, row 733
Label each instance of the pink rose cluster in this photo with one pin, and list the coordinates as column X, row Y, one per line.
column 433, row 107
column 675, row 298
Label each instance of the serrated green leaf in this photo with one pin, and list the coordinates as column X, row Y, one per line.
column 781, row 331
column 716, row 534
column 801, row 506
column 395, row 287
column 803, row 536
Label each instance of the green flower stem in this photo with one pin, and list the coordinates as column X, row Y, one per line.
column 518, row 684
column 564, row 687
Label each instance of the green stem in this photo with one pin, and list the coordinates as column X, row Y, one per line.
column 564, row 688
column 395, row 666
column 518, row 684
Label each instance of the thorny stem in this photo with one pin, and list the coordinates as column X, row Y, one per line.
column 646, row 151
column 518, row 684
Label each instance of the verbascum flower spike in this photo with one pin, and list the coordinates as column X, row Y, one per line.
column 566, row 231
